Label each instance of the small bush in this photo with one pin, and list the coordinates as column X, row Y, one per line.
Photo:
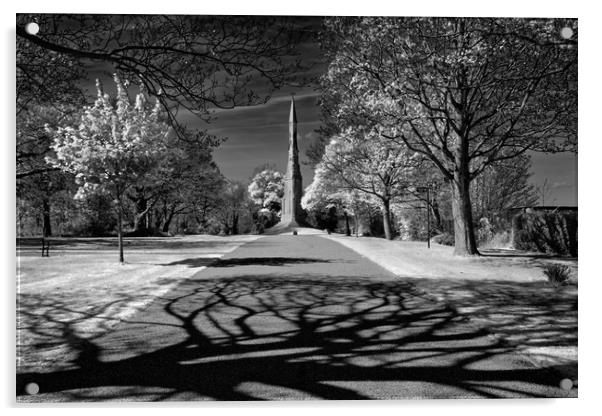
column 501, row 239
column 258, row 228
column 558, row 274
column 445, row 239
column 485, row 231
column 211, row 227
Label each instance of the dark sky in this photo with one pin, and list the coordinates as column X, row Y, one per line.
column 258, row 135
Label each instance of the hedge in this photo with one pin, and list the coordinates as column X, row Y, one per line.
column 552, row 232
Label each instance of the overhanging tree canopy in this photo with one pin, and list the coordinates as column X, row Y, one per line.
column 463, row 92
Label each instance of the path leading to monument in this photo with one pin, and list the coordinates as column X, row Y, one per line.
column 293, row 317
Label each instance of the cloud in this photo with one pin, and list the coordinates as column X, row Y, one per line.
column 273, row 101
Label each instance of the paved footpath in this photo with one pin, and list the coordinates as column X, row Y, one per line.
column 292, row 318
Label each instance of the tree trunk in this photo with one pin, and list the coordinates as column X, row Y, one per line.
column 167, row 222
column 387, row 219
column 235, row 224
column 46, row 227
column 436, row 214
column 120, row 233
column 363, row 224
column 347, row 229
column 140, row 218
column 158, row 220
column 464, row 238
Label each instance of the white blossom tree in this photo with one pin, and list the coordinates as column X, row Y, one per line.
column 113, row 148
column 265, row 196
column 267, row 189
column 326, row 191
column 364, row 161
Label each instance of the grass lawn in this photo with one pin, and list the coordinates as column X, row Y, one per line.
column 504, row 291
column 82, row 282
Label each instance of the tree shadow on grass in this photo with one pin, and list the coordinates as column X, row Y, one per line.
column 255, row 337
column 528, row 314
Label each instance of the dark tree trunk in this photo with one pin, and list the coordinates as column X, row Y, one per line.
column 235, row 224
column 167, row 222
column 387, row 219
column 347, row 228
column 464, row 238
column 158, row 219
column 46, row 227
column 436, row 214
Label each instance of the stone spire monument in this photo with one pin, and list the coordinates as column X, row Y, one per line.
column 292, row 213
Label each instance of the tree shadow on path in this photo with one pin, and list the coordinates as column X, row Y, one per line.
column 257, row 337
column 245, row 261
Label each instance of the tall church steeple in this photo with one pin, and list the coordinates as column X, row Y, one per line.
column 291, row 202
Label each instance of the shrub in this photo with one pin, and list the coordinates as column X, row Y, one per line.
column 547, row 232
column 445, row 239
column 485, row 231
column 558, row 274
column 500, row 239
column 258, row 228
column 323, row 217
column 211, row 227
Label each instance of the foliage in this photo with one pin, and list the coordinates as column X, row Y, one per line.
column 265, row 197
column 328, row 197
column 212, row 226
column 193, row 63
column 38, row 181
column 501, row 187
column 446, row 239
column 187, row 182
column 364, row 161
column 233, row 207
column 267, row 189
column 114, row 146
column 92, row 217
column 485, row 230
column 33, row 139
column 548, row 232
column 464, row 93
column 558, row 274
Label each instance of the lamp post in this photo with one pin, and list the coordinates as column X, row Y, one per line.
column 428, row 213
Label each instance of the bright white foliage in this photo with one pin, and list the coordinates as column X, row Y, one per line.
column 266, row 188
column 114, row 146
column 324, row 189
column 365, row 161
